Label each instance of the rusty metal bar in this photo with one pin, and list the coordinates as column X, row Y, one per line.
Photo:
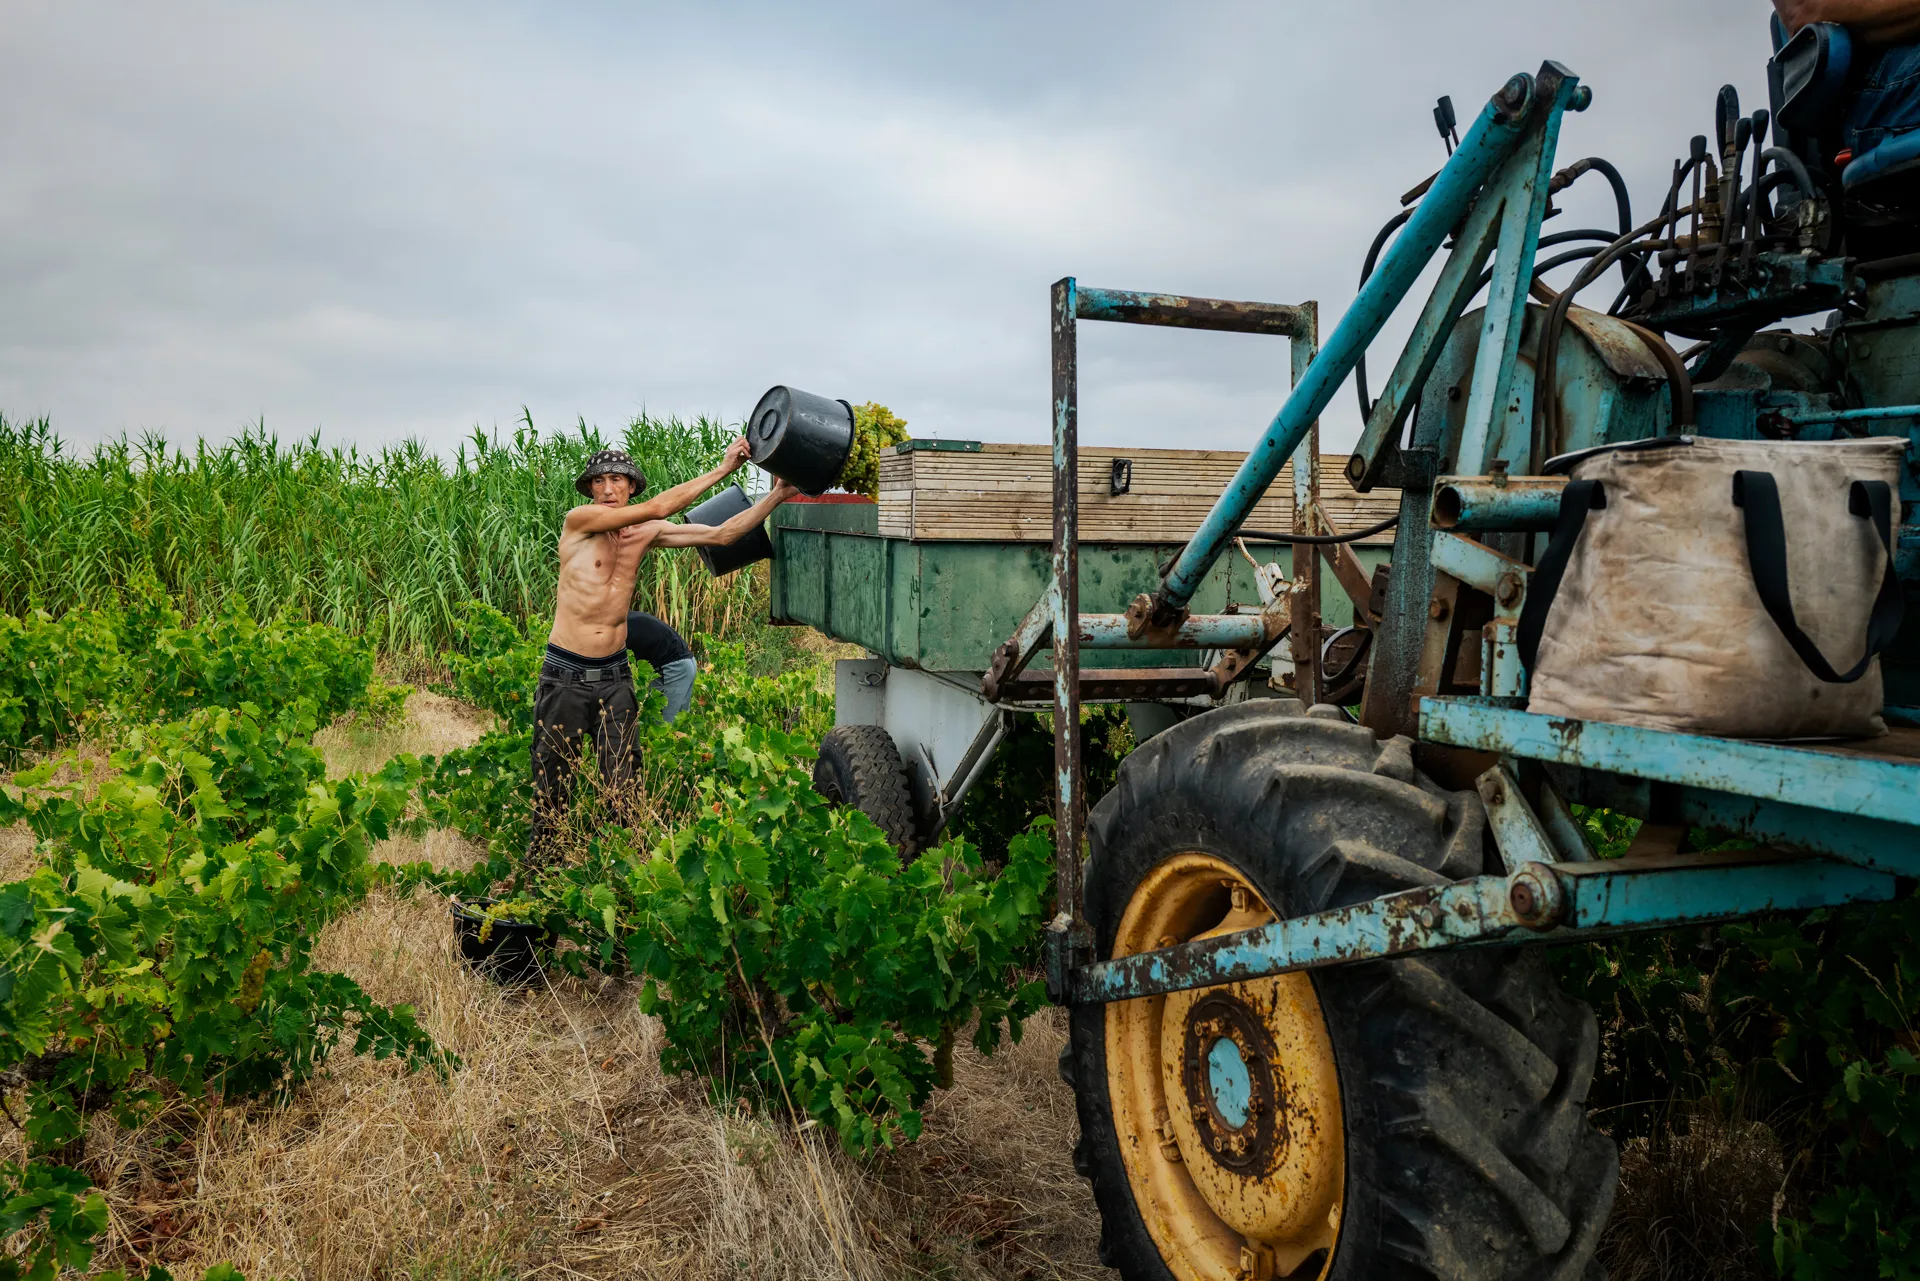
column 1538, row 902
column 1485, row 503
column 1129, row 307
column 1196, row 631
column 1070, row 811
column 1106, row 683
column 1305, row 597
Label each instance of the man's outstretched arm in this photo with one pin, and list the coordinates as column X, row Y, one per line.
column 671, row 502
column 594, row 518
column 732, row 531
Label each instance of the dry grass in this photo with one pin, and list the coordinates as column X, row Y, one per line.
column 560, row 1149
column 434, row 725
column 1695, row 1202
column 16, row 852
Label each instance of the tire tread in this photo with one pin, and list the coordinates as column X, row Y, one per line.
column 1476, row 1153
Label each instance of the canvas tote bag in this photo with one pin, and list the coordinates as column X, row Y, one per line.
column 1731, row 587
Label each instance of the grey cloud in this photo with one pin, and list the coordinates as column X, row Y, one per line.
column 383, row 221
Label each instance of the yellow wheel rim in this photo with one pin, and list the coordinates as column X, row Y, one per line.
column 1226, row 1100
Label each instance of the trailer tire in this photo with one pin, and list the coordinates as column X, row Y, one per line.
column 859, row 766
column 1447, row 1093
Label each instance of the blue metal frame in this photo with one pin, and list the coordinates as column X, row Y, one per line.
column 1504, row 124
column 1559, row 902
column 1840, row 783
column 1848, row 816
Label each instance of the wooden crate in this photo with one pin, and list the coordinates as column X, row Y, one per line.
column 950, row 490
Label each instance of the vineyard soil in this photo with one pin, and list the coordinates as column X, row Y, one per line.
column 560, row 1148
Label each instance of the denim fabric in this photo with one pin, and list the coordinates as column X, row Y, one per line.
column 676, row 682
column 1889, row 100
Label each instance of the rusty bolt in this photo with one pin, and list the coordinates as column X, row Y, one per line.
column 1163, row 1130
column 1256, row 1262
column 1496, row 792
column 1534, row 896
column 1514, row 93
column 1507, row 590
column 1438, row 610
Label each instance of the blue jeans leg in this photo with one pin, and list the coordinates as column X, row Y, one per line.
column 676, row 682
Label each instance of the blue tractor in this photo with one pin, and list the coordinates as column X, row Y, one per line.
column 1313, row 1032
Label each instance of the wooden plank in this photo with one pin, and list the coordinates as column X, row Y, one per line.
column 1004, row 492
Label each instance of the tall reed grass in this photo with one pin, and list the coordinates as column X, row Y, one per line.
column 383, row 544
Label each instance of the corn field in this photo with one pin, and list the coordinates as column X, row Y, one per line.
column 384, row 544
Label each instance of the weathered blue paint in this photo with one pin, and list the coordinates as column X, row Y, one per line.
column 1518, row 833
column 1522, row 189
column 1488, row 143
column 1229, row 1082
column 1804, row 416
column 1478, row 504
column 1199, row 631
column 1707, row 887
column 1477, row 565
column 1569, row 901
column 1505, row 220
column 1838, row 781
column 1416, row 920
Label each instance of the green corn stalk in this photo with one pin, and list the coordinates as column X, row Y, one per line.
column 383, row 543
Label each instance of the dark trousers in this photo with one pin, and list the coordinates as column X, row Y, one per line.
column 568, row 713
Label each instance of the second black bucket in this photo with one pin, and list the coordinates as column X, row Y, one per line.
column 753, row 545
column 800, row 437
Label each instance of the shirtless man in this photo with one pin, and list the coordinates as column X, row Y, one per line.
column 586, row 689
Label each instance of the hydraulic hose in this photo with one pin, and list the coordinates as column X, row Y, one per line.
column 1319, row 540
column 1622, row 202
column 1373, row 256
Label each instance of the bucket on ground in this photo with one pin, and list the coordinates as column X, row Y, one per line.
column 753, row 545
column 508, row 955
column 802, row 438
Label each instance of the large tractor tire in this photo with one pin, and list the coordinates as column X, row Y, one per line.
column 859, row 766
column 1418, row 1118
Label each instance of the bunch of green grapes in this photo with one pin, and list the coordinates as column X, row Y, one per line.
column 874, row 428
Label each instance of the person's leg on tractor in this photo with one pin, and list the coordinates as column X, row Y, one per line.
column 675, row 680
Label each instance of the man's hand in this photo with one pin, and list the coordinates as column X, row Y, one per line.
column 736, row 457
column 782, row 490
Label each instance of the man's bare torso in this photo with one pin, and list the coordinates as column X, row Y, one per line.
column 596, row 587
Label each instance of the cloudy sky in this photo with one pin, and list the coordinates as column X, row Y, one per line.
column 383, row 220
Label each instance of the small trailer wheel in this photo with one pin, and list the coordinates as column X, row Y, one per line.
column 860, row 766
column 1420, row 1117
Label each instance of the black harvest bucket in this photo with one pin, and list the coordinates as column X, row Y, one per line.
column 753, row 545
column 508, row 955
column 802, row 438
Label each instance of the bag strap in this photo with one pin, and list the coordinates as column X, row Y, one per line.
column 1756, row 493
column 1579, row 498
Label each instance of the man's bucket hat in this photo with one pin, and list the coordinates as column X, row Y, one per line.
column 610, row 462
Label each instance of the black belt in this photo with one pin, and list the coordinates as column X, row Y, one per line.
column 585, row 675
